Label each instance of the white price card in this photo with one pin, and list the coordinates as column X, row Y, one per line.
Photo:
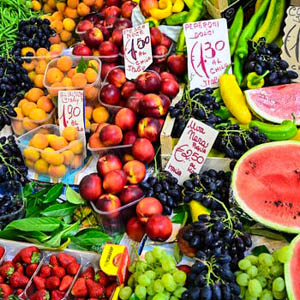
column 137, row 50
column 208, row 52
column 191, row 151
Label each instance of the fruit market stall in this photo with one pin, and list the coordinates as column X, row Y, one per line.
column 149, row 149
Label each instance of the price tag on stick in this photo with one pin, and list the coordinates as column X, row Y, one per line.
column 208, row 52
column 192, row 149
column 137, row 50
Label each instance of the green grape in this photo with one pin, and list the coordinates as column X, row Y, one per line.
column 149, row 297
column 150, row 290
column 243, row 291
column 285, row 254
column 237, row 273
column 278, row 285
column 277, row 269
column 168, row 282
column 266, row 259
column 158, row 252
column 167, row 295
column 253, row 259
column 125, row 293
column 144, row 280
column 131, row 281
column 244, row 264
column 158, row 286
column 168, row 265
column 262, row 280
column 141, row 266
column 279, row 295
column 150, row 274
column 149, row 257
column 275, row 254
column 179, row 276
column 248, row 296
column 263, row 271
column 159, row 296
column 254, row 288
column 266, row 295
column 140, row 291
column 179, row 291
column 252, row 271
column 173, row 298
column 242, row 279
column 132, row 267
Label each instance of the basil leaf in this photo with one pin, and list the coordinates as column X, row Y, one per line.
column 70, row 230
column 75, row 246
column 177, row 254
column 68, row 219
column 43, row 224
column 32, row 211
column 91, row 237
column 28, row 189
column 59, row 210
column 73, row 197
column 53, row 193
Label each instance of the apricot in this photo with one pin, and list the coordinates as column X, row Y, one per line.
column 52, row 3
column 32, row 75
column 57, row 25
column 56, row 48
column 71, row 73
column 41, row 166
column 31, row 154
column 68, row 157
column 17, row 127
column 94, row 64
column 57, row 15
column 98, row 4
column 41, row 66
column 70, row 133
column 58, row 143
column 76, row 147
column 43, row 131
column 54, row 75
column 69, row 24
column 61, row 6
column 94, row 141
column 51, row 137
column 93, row 127
column 34, row 94
column 36, row 5
column 26, row 50
column 100, row 115
column 76, row 162
column 22, row 102
column 39, row 80
column 29, row 163
column 91, row 75
column 41, row 52
column 91, row 93
column 64, row 63
column 88, row 112
column 79, row 80
column 29, row 66
column 71, row 13
column 55, row 87
column 83, row 10
column 47, row 8
column 45, row 104
column 87, row 123
column 18, row 110
column 28, row 124
column 54, row 40
column 37, row 114
column 52, row 157
column 57, row 171
column 39, row 141
column 66, row 82
column 27, row 108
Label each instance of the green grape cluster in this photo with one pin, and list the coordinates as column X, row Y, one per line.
column 155, row 278
column 262, row 277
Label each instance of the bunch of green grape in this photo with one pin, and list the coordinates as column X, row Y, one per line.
column 262, row 277
column 155, row 278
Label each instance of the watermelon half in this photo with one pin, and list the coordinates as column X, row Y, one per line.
column 291, row 271
column 266, row 185
column 276, row 103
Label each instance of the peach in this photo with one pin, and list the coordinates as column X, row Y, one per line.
column 114, row 181
column 129, row 137
column 143, row 150
column 147, row 5
column 116, row 77
column 125, row 119
column 148, row 82
column 126, row 9
column 109, row 51
column 112, row 11
column 159, row 228
column 156, row 36
column 135, row 229
column 106, row 67
column 108, row 163
column 130, row 193
column 127, row 89
column 111, row 135
column 135, row 171
column 149, row 128
column 109, row 203
column 147, row 208
column 177, row 64
column 169, row 87
column 133, row 102
column 110, row 94
column 90, row 187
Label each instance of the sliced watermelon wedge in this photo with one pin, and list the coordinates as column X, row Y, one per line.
column 276, row 103
column 266, row 185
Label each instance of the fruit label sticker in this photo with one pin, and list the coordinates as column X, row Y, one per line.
column 208, row 52
column 291, row 40
column 190, row 153
column 137, row 50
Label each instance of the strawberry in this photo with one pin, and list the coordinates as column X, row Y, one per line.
column 101, row 278
column 39, row 282
column 53, row 261
column 95, row 289
column 45, row 271
column 58, row 272
column 93, row 298
column 66, row 282
column 7, row 269
column 5, row 290
column 18, row 280
column 2, row 251
column 30, row 255
column 79, row 298
column 19, row 291
column 19, row 268
column 1, row 279
column 73, row 268
column 17, row 258
column 89, row 273
column 31, row 269
column 57, row 295
column 40, row 295
column 65, row 259
column 52, row 283
column 110, row 289
column 79, row 289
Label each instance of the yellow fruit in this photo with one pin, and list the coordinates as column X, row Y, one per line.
column 52, row 157
column 41, row 66
column 39, row 141
column 26, row 50
column 29, row 163
column 64, row 63
column 22, row 102
column 34, row 94
column 39, row 80
column 17, row 127
column 100, row 115
column 76, row 162
column 18, row 110
column 68, row 157
column 28, row 124
column 69, row 24
column 37, row 114
column 57, row 171
column 45, row 104
column 70, row 133
column 41, row 166
column 32, row 75
column 31, row 154
column 36, row 5
column 76, row 147
column 27, row 108
column 58, row 143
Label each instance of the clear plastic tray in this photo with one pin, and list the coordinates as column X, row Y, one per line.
column 23, row 142
column 104, row 150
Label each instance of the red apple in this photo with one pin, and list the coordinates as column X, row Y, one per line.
column 114, row 181
column 109, row 51
column 107, row 163
column 147, row 208
column 112, row 11
column 156, row 36
column 147, row 5
column 148, row 82
column 126, row 9
column 143, row 150
column 166, row 41
column 159, row 228
column 93, row 37
column 160, row 53
column 110, row 94
column 177, row 64
column 123, row 24
column 117, row 77
column 135, row 171
column 151, row 105
column 167, row 75
column 133, row 102
column 111, row 135
column 149, row 128
column 106, row 67
column 129, row 137
column 131, row 193
column 90, row 187
column 104, row 30
column 82, row 50
column 127, row 89
column 109, row 203
column 135, row 229
column 117, row 37
column 84, row 25
column 125, row 119
column 169, row 87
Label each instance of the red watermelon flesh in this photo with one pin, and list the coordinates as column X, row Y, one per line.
column 276, row 103
column 266, row 184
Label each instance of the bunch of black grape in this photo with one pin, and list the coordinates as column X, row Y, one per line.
column 12, row 165
column 234, row 141
column 220, row 244
column 165, row 188
column 198, row 104
column 266, row 57
column 209, row 188
column 34, row 33
column 6, row 111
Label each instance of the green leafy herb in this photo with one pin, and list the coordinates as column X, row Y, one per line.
column 177, row 254
column 91, row 237
column 260, row 249
column 94, row 67
column 73, row 197
column 59, row 210
column 82, row 65
column 180, row 215
column 53, row 193
column 267, row 233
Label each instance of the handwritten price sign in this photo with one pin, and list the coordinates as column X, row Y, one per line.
column 208, row 52
column 192, row 149
column 137, row 50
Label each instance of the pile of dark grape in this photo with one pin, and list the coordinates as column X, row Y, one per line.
column 234, row 141
column 164, row 187
column 12, row 165
column 198, row 104
column 220, row 243
column 266, row 57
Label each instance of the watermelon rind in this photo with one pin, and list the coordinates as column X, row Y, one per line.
column 287, row 273
column 247, row 209
column 263, row 114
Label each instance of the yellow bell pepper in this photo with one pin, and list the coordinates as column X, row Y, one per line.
column 152, row 22
column 178, row 6
column 164, row 10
